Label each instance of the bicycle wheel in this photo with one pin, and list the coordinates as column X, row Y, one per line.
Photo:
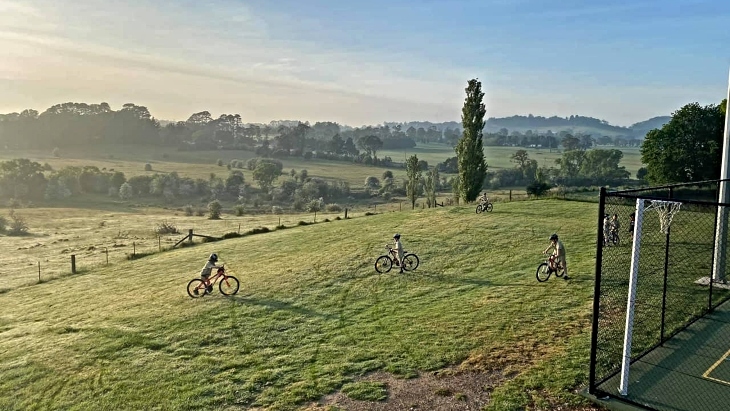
column 489, row 207
column 383, row 264
column 196, row 288
column 559, row 272
column 410, row 262
column 228, row 285
column 543, row 272
column 479, row 209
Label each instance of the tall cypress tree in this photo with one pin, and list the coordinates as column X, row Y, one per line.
column 469, row 150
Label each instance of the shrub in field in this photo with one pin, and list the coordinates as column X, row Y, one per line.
column 188, row 210
column 239, row 209
column 166, row 228
column 333, row 208
column 56, row 152
column 200, row 212
column 3, row 224
column 219, row 162
column 125, row 191
column 372, row 182
column 148, row 167
column 214, row 210
column 277, row 210
column 18, row 225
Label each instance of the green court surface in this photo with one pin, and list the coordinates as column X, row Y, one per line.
column 691, row 371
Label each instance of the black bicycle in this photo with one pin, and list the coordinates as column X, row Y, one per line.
column 385, row 263
column 484, row 207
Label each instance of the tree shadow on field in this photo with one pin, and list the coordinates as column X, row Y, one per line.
column 277, row 305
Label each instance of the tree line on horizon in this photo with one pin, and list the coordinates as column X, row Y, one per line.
column 73, row 124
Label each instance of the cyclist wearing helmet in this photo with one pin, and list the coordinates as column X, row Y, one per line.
column 205, row 272
column 559, row 253
column 399, row 251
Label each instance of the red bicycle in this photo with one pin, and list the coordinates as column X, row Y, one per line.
column 227, row 284
column 548, row 267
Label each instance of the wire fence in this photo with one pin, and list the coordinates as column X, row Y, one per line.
column 672, row 289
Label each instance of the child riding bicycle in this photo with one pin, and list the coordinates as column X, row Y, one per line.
column 205, row 272
column 398, row 251
column 559, row 253
column 483, row 199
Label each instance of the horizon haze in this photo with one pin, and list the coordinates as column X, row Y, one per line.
column 366, row 62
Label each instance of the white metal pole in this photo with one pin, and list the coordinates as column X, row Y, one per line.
column 719, row 260
column 630, row 303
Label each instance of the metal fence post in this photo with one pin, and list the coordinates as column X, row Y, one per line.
column 666, row 270
column 596, row 292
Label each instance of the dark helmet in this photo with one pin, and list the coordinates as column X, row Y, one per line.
column 554, row 237
column 213, row 257
column 396, row 236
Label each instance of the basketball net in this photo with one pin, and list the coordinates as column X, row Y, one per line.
column 666, row 210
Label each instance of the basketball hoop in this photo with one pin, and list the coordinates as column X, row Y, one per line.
column 666, row 210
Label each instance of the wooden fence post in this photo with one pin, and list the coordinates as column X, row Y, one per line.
column 345, row 213
column 510, row 195
column 39, row 271
column 190, row 236
column 134, row 250
column 73, row 263
column 106, row 251
column 159, row 244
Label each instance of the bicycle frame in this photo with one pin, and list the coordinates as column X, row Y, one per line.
column 220, row 273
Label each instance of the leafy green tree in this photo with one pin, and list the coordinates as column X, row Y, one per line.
column 603, row 165
column 570, row 163
column 469, row 150
column 22, row 179
column 431, row 186
column 641, row 173
column 371, row 144
column 265, row 174
column 413, row 188
column 688, row 148
column 570, row 143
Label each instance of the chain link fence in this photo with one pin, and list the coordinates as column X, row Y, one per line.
column 672, row 293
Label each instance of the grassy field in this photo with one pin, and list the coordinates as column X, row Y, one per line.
column 313, row 322
column 499, row 157
column 195, row 164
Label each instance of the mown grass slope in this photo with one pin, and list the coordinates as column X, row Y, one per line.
column 312, row 315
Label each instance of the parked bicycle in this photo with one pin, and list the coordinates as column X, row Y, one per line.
column 227, row 284
column 484, row 207
column 384, row 263
column 547, row 268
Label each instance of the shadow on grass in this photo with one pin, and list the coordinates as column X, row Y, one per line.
column 278, row 306
column 450, row 279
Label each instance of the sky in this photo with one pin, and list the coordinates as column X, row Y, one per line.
column 366, row 62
